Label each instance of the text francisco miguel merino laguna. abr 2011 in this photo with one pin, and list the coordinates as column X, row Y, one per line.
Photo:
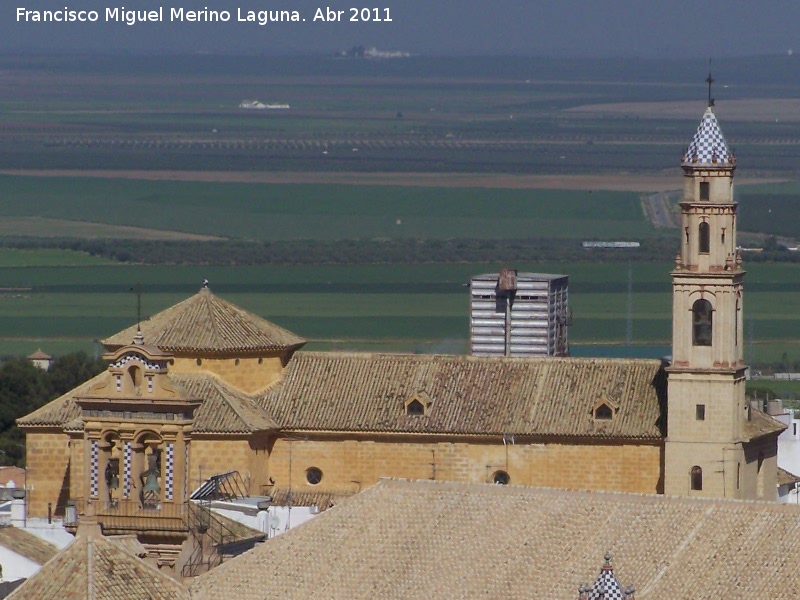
column 180, row 14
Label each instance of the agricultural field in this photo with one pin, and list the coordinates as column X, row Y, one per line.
column 503, row 115
column 416, row 308
column 254, row 211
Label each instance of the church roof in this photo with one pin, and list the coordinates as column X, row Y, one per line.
column 96, row 567
column 469, row 395
column 205, row 323
column 223, row 409
column 409, row 540
column 708, row 144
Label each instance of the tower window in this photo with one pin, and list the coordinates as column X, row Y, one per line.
column 696, row 477
column 700, row 412
column 704, row 237
column 705, row 191
column 701, row 323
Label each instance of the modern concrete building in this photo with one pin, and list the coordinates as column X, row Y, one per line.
column 519, row 314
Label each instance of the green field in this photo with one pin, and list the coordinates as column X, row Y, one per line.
column 326, row 212
column 422, row 308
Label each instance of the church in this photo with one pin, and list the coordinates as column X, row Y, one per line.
column 205, row 391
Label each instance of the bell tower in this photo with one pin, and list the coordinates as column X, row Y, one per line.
column 707, row 433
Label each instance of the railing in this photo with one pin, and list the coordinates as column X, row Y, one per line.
column 130, row 515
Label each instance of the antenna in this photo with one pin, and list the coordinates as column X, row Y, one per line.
column 709, row 81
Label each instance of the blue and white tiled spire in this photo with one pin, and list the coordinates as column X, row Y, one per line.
column 708, row 145
column 606, row 587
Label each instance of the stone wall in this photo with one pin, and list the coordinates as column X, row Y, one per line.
column 247, row 374
column 47, row 465
column 348, row 465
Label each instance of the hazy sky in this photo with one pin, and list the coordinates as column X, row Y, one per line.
column 570, row 28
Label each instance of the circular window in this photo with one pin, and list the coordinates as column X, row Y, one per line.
column 313, row 475
column 500, row 478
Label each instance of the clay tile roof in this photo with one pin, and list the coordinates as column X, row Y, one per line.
column 421, row 540
column 27, row 545
column 63, row 409
column 39, row 355
column 99, row 569
column 288, row 497
column 206, row 323
column 786, row 478
column 224, row 409
column 469, row 395
column 761, row 424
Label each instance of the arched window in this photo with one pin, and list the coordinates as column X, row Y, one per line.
column 701, row 323
column 704, row 237
column 135, row 374
column 501, row 478
column 696, row 476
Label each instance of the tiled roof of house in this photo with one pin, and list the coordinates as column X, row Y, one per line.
column 787, row 478
column 96, row 568
column 400, row 540
column 206, row 323
column 469, row 395
column 289, row 497
column 27, row 545
column 761, row 424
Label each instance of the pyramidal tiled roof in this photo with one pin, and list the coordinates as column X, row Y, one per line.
column 606, row 586
column 208, row 324
column 708, row 144
column 95, row 567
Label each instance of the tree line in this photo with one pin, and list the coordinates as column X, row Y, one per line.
column 24, row 388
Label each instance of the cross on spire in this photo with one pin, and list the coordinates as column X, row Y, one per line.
column 137, row 289
column 709, row 81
